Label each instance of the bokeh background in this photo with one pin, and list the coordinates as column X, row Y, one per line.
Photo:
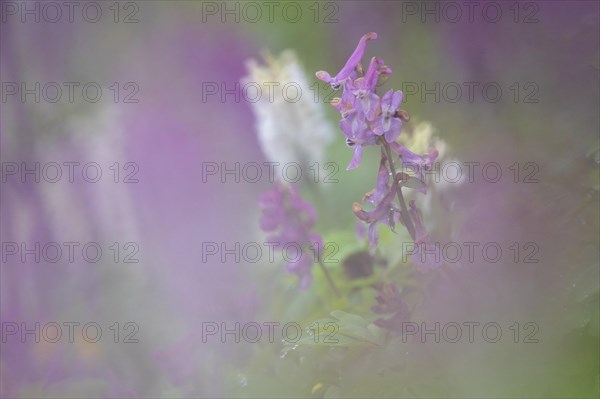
column 169, row 53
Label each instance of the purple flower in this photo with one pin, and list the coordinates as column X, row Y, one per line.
column 354, row 125
column 389, row 302
column 385, row 211
column 418, row 164
column 382, row 187
column 363, row 89
column 356, row 158
column 387, row 123
column 364, row 115
column 367, row 119
column 286, row 215
column 358, row 140
column 290, row 219
column 348, row 71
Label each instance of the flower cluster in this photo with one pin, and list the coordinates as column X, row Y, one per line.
column 365, row 115
column 290, row 219
column 372, row 120
column 390, row 303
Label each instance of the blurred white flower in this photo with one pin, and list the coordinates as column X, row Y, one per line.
column 422, row 138
column 291, row 125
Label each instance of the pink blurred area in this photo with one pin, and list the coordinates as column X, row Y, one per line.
column 169, row 212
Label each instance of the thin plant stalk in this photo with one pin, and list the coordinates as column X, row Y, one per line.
column 404, row 211
column 329, row 279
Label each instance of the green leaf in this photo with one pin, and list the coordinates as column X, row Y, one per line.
column 348, row 318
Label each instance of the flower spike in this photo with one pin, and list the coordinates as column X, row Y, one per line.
column 350, row 65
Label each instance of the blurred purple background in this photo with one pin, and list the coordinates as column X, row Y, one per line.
column 171, row 131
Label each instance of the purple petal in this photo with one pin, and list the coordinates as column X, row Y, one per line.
column 355, row 163
column 396, row 100
column 394, row 130
column 408, row 157
column 355, row 58
column 411, row 161
column 378, row 127
column 353, row 125
column 383, row 176
column 386, row 101
column 372, row 105
column 372, row 76
column 358, row 124
column 382, row 209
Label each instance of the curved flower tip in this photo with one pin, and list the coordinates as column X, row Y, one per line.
column 355, row 163
column 403, row 115
column 348, row 69
column 357, row 208
column 386, row 71
column 369, row 36
column 324, row 76
column 336, row 103
column 356, row 56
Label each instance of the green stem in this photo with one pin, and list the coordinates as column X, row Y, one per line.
column 404, row 211
column 329, row 279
